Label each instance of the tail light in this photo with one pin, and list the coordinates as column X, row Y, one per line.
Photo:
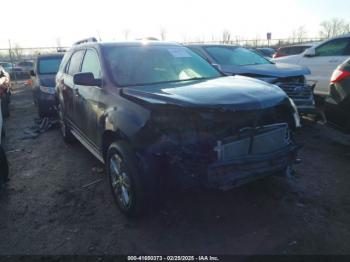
column 29, row 82
column 338, row 75
column 276, row 55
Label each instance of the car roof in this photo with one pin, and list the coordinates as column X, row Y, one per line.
column 266, row 48
column 51, row 55
column 127, row 43
column 332, row 38
column 213, row 45
column 25, row 61
column 341, row 36
column 298, row 45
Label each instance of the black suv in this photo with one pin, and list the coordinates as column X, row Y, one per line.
column 157, row 114
column 46, row 67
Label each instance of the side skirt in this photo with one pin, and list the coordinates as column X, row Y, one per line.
column 87, row 145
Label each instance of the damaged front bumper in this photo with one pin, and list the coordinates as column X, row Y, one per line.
column 301, row 94
column 228, row 174
column 253, row 153
column 246, row 155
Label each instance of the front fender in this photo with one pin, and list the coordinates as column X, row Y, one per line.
column 127, row 119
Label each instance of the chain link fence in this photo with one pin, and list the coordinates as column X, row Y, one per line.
column 17, row 54
column 273, row 43
column 12, row 57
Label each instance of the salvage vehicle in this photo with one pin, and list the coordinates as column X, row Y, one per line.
column 236, row 60
column 157, row 114
column 5, row 92
column 6, row 65
column 26, row 65
column 43, row 84
column 322, row 59
column 292, row 49
column 4, row 168
column 337, row 105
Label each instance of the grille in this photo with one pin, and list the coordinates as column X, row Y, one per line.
column 296, row 90
column 254, row 141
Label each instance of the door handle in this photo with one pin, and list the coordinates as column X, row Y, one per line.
column 334, row 60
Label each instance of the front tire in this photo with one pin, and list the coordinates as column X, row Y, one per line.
column 131, row 189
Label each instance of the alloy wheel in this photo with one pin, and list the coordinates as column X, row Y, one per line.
column 120, row 182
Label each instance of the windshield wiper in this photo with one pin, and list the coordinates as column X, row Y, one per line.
column 169, row 81
column 194, row 78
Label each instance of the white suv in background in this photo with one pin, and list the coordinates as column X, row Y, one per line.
column 322, row 59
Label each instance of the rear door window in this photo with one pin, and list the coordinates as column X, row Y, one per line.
column 64, row 62
column 336, row 47
column 91, row 64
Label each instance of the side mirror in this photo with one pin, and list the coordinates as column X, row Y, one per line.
column 32, row 73
column 86, row 79
column 310, row 52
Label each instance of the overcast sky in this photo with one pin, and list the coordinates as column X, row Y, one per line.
column 41, row 22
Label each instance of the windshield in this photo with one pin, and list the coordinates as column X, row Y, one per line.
column 267, row 51
column 25, row 64
column 49, row 65
column 237, row 56
column 142, row 65
column 6, row 65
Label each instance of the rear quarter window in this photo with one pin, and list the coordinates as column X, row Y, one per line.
column 75, row 62
column 64, row 62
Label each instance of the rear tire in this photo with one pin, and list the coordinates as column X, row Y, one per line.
column 132, row 189
column 64, row 128
column 41, row 112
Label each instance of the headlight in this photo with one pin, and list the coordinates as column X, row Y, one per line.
column 295, row 114
column 48, row 90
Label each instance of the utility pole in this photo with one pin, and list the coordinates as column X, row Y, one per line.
column 12, row 63
column 268, row 36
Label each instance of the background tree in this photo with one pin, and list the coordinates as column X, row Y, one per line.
column 300, row 34
column 334, row 27
column 126, row 34
column 226, row 36
column 163, row 34
column 17, row 51
column 58, row 42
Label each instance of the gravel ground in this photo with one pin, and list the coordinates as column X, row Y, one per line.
column 50, row 207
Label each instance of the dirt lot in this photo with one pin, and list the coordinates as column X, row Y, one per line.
column 48, row 207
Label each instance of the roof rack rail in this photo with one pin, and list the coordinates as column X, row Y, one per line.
column 86, row 40
column 61, row 50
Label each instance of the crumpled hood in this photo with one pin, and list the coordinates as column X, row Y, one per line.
column 47, row 80
column 234, row 92
column 272, row 70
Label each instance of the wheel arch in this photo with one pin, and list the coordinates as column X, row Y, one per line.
column 110, row 136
